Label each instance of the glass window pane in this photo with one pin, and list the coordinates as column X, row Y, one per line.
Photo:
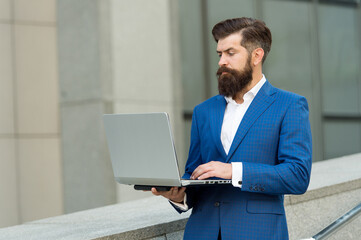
column 339, row 53
column 341, row 138
column 191, row 41
column 288, row 65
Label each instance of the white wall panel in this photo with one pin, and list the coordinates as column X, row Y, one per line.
column 35, row 10
column 8, row 184
column 5, row 10
column 40, row 171
column 6, row 80
column 36, row 80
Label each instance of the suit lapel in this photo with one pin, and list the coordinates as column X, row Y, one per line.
column 260, row 103
column 216, row 116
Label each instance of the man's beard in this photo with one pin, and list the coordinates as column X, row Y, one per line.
column 233, row 81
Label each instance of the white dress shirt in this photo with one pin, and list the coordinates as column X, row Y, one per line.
column 233, row 116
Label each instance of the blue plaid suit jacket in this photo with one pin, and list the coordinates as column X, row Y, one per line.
column 273, row 142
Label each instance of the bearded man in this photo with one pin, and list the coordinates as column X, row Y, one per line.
column 253, row 133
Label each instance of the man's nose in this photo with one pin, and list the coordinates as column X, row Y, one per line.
column 222, row 61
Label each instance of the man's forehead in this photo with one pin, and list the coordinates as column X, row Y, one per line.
column 232, row 41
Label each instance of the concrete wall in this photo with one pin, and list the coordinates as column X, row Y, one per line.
column 63, row 64
column 30, row 160
column 145, row 66
column 88, row 180
column 111, row 60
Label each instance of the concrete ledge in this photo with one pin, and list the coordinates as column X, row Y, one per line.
column 335, row 188
column 331, row 177
column 141, row 219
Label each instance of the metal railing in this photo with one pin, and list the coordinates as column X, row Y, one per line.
column 327, row 231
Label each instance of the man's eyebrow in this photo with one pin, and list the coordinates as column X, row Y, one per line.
column 227, row 50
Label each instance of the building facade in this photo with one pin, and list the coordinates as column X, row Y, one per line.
column 65, row 63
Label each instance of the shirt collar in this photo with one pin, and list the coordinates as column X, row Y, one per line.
column 251, row 93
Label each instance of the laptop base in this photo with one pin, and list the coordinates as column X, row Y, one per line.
column 148, row 188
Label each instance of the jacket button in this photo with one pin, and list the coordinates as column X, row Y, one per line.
column 240, row 182
column 216, row 204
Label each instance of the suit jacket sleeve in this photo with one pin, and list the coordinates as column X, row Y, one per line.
column 291, row 174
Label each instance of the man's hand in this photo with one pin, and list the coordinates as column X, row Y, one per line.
column 213, row 169
column 175, row 194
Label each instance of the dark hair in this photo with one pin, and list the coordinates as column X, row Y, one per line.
column 254, row 33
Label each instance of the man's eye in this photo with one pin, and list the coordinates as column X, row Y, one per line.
column 231, row 54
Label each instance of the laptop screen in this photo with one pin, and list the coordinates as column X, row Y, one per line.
column 141, row 148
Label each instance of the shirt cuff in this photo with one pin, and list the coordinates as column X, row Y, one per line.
column 237, row 168
column 182, row 206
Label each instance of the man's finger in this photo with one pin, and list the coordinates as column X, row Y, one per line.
column 200, row 170
column 174, row 190
column 207, row 175
column 154, row 191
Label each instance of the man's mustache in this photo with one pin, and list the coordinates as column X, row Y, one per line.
column 224, row 69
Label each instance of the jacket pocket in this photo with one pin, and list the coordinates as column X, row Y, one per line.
column 265, row 206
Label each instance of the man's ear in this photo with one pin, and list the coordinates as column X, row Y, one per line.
column 257, row 56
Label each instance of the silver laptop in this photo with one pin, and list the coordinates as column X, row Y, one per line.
column 142, row 151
